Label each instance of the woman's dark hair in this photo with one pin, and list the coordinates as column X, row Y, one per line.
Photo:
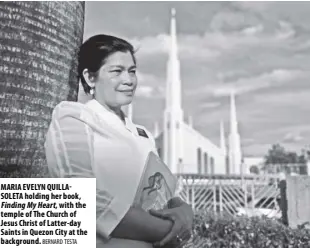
column 94, row 52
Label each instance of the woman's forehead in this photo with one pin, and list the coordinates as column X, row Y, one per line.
column 121, row 59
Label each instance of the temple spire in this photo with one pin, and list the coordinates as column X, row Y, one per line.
column 235, row 156
column 222, row 139
column 173, row 35
column 233, row 114
column 173, row 80
column 173, row 117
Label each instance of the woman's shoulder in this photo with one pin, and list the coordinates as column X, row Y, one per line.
column 69, row 109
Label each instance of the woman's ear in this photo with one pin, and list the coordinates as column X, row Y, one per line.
column 90, row 79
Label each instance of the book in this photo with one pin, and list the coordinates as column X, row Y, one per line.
column 157, row 185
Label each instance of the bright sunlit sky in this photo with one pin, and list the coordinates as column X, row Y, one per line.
column 260, row 49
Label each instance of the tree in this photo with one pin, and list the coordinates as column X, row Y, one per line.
column 279, row 157
column 276, row 155
column 254, row 169
column 39, row 42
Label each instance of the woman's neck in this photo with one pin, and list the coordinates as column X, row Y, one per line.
column 116, row 110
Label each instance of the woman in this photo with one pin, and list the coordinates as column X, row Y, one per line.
column 97, row 140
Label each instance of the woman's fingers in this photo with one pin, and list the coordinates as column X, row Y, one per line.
column 179, row 233
column 160, row 213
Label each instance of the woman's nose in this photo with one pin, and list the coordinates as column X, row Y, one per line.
column 127, row 78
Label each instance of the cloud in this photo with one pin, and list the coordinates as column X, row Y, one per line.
column 150, row 85
column 285, row 31
column 147, row 79
column 144, row 91
column 231, row 20
column 149, row 92
column 150, row 45
column 196, row 47
column 233, row 28
column 294, row 96
column 215, row 45
column 274, row 78
column 189, row 46
column 253, row 6
column 257, row 149
column 292, row 137
column 209, row 105
column 253, row 30
column 204, row 47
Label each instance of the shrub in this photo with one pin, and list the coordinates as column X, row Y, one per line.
column 210, row 231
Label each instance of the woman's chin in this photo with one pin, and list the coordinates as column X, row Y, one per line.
column 126, row 100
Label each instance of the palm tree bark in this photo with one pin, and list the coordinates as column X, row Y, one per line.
column 39, row 42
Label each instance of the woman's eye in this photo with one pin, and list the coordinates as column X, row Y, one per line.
column 116, row 71
column 132, row 72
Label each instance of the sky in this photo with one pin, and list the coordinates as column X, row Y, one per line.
column 261, row 50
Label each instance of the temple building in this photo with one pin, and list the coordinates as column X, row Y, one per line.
column 182, row 147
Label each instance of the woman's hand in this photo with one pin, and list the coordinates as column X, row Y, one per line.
column 182, row 218
column 175, row 202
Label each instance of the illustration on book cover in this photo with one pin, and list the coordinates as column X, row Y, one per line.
column 157, row 185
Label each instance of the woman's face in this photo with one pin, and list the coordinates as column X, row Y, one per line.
column 116, row 82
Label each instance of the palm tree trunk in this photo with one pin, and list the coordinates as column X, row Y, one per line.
column 39, row 42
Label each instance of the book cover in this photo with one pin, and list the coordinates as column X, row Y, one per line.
column 157, row 184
